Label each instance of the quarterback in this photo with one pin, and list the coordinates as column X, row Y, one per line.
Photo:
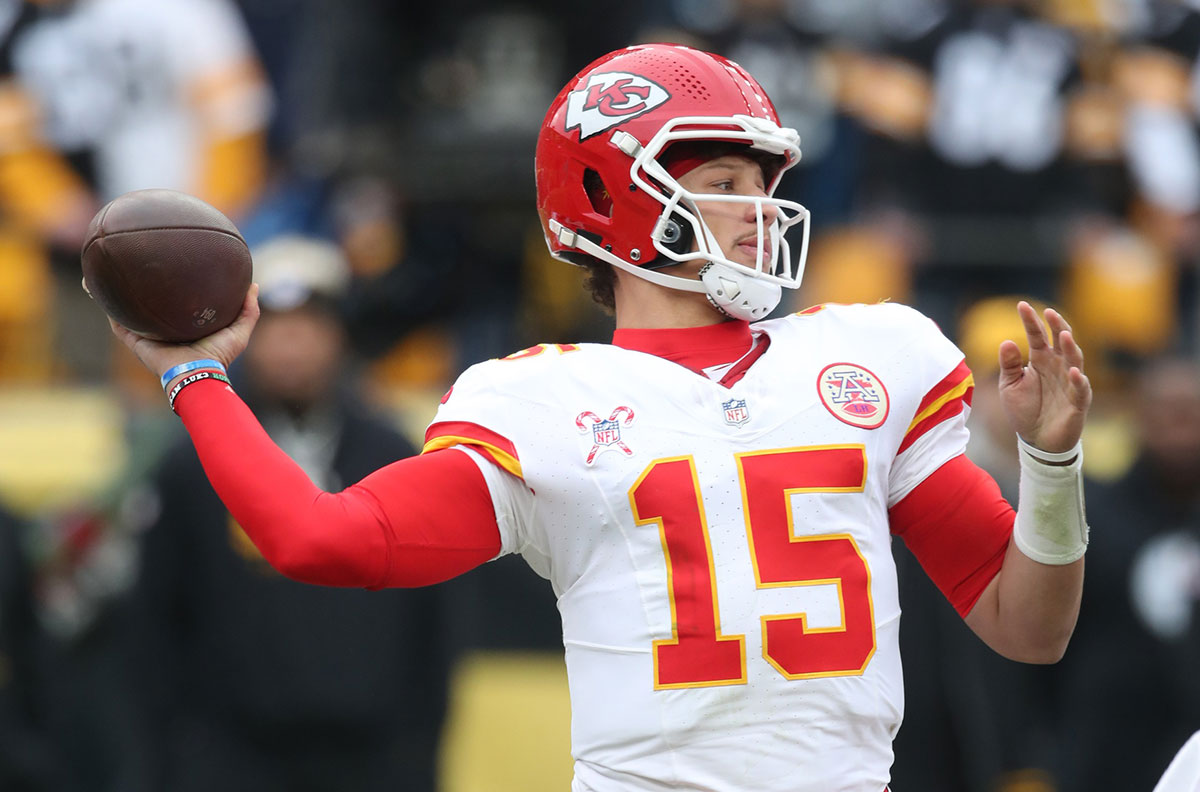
column 713, row 495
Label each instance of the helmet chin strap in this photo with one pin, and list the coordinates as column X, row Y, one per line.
column 738, row 294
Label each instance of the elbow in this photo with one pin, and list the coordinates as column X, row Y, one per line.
column 294, row 560
column 1042, row 650
column 1042, row 655
column 333, row 540
column 316, row 562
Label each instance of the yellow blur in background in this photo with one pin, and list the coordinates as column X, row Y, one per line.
column 58, row 445
column 509, row 724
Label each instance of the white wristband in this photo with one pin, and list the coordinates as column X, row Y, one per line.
column 1051, row 456
column 1051, row 527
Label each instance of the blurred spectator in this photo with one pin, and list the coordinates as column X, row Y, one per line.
column 42, row 201
column 1153, row 71
column 405, row 261
column 249, row 681
column 1158, row 75
column 967, row 104
column 1127, row 690
column 27, row 760
column 140, row 93
column 133, row 94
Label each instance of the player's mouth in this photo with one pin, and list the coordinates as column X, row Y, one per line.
column 748, row 247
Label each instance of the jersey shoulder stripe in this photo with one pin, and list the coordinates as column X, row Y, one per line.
column 947, row 398
column 501, row 450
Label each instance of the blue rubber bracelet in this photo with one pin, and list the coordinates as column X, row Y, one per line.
column 191, row 365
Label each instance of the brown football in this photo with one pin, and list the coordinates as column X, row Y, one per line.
column 166, row 264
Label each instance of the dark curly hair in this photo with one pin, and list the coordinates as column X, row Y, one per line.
column 600, row 280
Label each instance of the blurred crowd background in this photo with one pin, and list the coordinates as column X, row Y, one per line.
column 958, row 155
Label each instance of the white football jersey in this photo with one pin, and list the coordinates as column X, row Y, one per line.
column 721, row 556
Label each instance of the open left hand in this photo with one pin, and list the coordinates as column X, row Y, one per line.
column 1047, row 400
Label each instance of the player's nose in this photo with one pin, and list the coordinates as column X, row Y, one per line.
column 770, row 212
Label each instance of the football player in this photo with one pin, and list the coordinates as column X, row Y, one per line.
column 711, row 496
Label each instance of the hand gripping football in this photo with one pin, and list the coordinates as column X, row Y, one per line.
column 166, row 265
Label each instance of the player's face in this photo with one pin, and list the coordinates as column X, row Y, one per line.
column 735, row 225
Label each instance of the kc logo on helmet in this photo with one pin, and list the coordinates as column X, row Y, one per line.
column 609, row 99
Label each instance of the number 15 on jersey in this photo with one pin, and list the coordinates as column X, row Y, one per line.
column 698, row 654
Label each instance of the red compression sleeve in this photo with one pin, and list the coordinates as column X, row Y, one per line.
column 415, row 522
column 958, row 525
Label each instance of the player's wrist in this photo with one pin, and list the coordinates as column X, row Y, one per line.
column 192, row 378
column 1052, row 458
column 1051, row 527
column 179, row 371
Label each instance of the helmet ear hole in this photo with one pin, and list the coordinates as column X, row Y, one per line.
column 597, row 193
column 677, row 235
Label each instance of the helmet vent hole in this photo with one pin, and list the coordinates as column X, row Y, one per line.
column 597, row 193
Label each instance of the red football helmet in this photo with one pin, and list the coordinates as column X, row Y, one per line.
column 603, row 190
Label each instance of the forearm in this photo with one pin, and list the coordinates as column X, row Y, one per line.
column 302, row 531
column 414, row 522
column 1028, row 612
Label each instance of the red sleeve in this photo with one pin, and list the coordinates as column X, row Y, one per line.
column 417, row 521
column 958, row 525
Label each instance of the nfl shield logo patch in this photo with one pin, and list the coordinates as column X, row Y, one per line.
column 606, row 432
column 736, row 413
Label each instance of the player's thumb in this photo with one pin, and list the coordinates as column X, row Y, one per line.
column 1011, row 363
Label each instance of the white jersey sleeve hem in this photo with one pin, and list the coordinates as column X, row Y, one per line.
column 511, row 499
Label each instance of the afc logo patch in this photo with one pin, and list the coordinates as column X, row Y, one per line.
column 853, row 395
column 607, row 100
column 606, row 432
column 736, row 412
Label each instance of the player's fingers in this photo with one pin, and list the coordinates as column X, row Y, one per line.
column 122, row 332
column 1081, row 388
column 1071, row 350
column 1057, row 324
column 250, row 305
column 250, row 308
column 125, row 335
column 1035, row 331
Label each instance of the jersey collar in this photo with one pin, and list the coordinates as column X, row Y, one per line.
column 695, row 348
